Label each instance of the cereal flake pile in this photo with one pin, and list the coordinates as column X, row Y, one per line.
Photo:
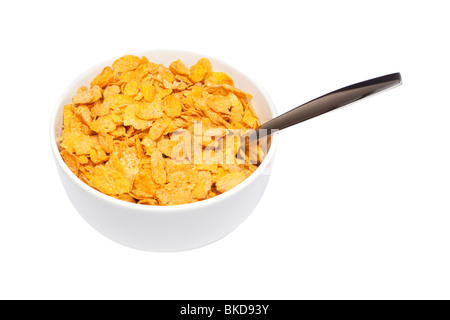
column 118, row 135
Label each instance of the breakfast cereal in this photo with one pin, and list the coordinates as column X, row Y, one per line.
column 155, row 135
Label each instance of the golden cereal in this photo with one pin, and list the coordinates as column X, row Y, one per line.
column 155, row 135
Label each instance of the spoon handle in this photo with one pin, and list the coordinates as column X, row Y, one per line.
column 330, row 101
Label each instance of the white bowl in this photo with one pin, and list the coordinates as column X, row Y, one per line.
column 170, row 228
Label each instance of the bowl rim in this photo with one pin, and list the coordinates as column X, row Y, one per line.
column 159, row 209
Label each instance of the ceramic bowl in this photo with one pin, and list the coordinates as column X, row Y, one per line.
column 166, row 228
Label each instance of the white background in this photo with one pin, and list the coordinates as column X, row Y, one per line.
column 358, row 203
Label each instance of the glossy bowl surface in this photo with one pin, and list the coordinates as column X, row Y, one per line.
column 166, row 228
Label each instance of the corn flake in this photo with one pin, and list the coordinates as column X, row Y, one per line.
column 157, row 164
column 103, row 124
column 178, row 67
column 150, row 111
column 85, row 96
column 109, row 181
column 200, row 70
column 172, row 106
column 126, row 63
column 131, row 118
column 157, row 129
column 216, row 78
column 229, row 181
column 71, row 160
column 104, row 78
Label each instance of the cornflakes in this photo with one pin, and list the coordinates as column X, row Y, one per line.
column 172, row 106
column 155, row 135
column 85, row 96
column 104, row 78
column 157, row 129
column 109, row 181
column 103, row 124
column 126, row 63
column 130, row 117
column 179, row 67
column 200, row 70
column 150, row 111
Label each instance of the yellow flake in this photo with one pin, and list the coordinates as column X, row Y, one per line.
column 103, row 125
column 126, row 63
column 157, row 129
column 200, row 70
column 132, row 88
column 217, row 78
column 71, row 161
column 131, row 119
column 157, row 164
column 104, row 78
column 178, row 67
column 85, row 96
column 230, row 180
column 110, row 181
column 172, row 106
column 150, row 111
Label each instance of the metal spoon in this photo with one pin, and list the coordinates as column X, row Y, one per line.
column 326, row 103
